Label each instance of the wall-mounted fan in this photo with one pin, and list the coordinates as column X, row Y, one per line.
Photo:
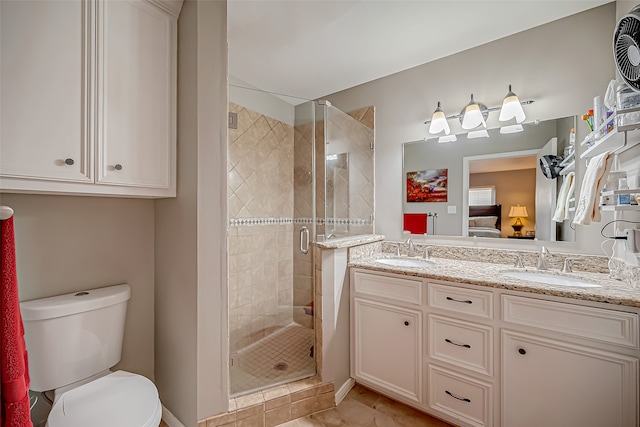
column 626, row 48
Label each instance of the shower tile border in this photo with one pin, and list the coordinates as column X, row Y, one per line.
column 240, row 222
column 276, row 405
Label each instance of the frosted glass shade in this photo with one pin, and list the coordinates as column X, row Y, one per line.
column 478, row 134
column 511, row 129
column 449, row 138
column 439, row 122
column 511, row 108
column 472, row 116
column 518, row 212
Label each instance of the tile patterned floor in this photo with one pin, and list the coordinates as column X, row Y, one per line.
column 284, row 356
column 365, row 408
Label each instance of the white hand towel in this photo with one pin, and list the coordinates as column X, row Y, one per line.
column 562, row 206
column 587, row 206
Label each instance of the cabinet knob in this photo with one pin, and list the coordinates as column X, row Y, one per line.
column 522, row 351
column 118, row 167
column 406, row 323
column 69, row 161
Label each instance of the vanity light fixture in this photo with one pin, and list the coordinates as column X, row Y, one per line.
column 511, row 108
column 439, row 122
column 475, row 115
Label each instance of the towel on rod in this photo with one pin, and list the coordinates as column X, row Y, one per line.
column 14, row 371
column 566, row 189
column 588, row 204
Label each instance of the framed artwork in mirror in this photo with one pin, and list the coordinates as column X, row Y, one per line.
column 427, row 186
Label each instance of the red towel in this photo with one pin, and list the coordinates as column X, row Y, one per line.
column 415, row 223
column 14, row 370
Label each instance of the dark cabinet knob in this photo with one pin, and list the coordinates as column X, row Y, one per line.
column 69, row 161
column 406, row 323
column 118, row 167
column 522, row 351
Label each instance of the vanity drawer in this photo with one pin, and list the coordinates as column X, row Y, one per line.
column 394, row 288
column 461, row 300
column 462, row 344
column 460, row 397
column 610, row 326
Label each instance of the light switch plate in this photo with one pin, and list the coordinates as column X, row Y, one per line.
column 451, row 209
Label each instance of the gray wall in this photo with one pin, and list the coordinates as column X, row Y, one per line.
column 190, row 250
column 561, row 65
column 70, row 243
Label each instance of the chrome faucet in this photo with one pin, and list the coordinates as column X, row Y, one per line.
column 427, row 252
column 543, row 264
column 518, row 263
column 568, row 265
column 412, row 251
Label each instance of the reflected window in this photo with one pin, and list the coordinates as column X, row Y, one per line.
column 479, row 196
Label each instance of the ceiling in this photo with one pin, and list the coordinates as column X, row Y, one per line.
column 313, row 48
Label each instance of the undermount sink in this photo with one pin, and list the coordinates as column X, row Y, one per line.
column 550, row 279
column 405, row 262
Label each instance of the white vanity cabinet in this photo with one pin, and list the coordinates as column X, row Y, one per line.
column 494, row 357
column 460, row 354
column 88, row 97
column 568, row 365
column 387, row 341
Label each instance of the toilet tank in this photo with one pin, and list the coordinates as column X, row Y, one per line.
column 74, row 336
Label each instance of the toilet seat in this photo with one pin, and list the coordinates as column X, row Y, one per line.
column 119, row 399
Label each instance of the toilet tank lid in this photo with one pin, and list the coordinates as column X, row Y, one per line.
column 74, row 303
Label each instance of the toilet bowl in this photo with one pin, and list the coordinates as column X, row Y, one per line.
column 119, row 399
column 73, row 341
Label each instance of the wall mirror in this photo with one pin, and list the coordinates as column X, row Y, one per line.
column 510, row 197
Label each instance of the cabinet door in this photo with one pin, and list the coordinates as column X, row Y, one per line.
column 388, row 349
column 44, row 81
column 554, row 384
column 136, row 75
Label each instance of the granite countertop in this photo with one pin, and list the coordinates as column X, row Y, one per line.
column 488, row 274
column 350, row 241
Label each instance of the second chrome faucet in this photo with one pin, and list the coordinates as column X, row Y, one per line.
column 543, row 263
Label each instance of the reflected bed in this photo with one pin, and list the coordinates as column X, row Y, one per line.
column 485, row 221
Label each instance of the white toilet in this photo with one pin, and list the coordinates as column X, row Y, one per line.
column 72, row 341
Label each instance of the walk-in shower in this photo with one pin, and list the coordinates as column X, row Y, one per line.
column 278, row 197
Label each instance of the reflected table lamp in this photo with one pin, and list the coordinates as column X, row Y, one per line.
column 518, row 212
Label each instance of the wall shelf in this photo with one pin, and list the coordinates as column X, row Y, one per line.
column 620, row 208
column 617, row 139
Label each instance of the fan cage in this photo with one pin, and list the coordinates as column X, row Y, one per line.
column 626, row 46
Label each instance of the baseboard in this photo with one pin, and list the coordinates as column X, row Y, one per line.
column 344, row 389
column 170, row 419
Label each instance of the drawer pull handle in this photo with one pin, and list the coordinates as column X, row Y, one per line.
column 455, row 343
column 69, row 161
column 456, row 397
column 118, row 167
column 406, row 323
column 522, row 351
column 466, row 301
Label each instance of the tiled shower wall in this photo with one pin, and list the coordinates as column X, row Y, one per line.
column 268, row 163
column 260, row 213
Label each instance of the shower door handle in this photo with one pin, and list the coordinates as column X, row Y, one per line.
column 304, row 237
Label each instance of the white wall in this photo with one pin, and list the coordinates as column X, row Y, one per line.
column 561, row 65
column 71, row 243
column 190, row 263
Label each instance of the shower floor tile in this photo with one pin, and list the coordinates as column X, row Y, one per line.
column 283, row 356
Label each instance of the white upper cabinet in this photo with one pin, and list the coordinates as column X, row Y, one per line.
column 44, row 129
column 136, row 63
column 88, row 97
